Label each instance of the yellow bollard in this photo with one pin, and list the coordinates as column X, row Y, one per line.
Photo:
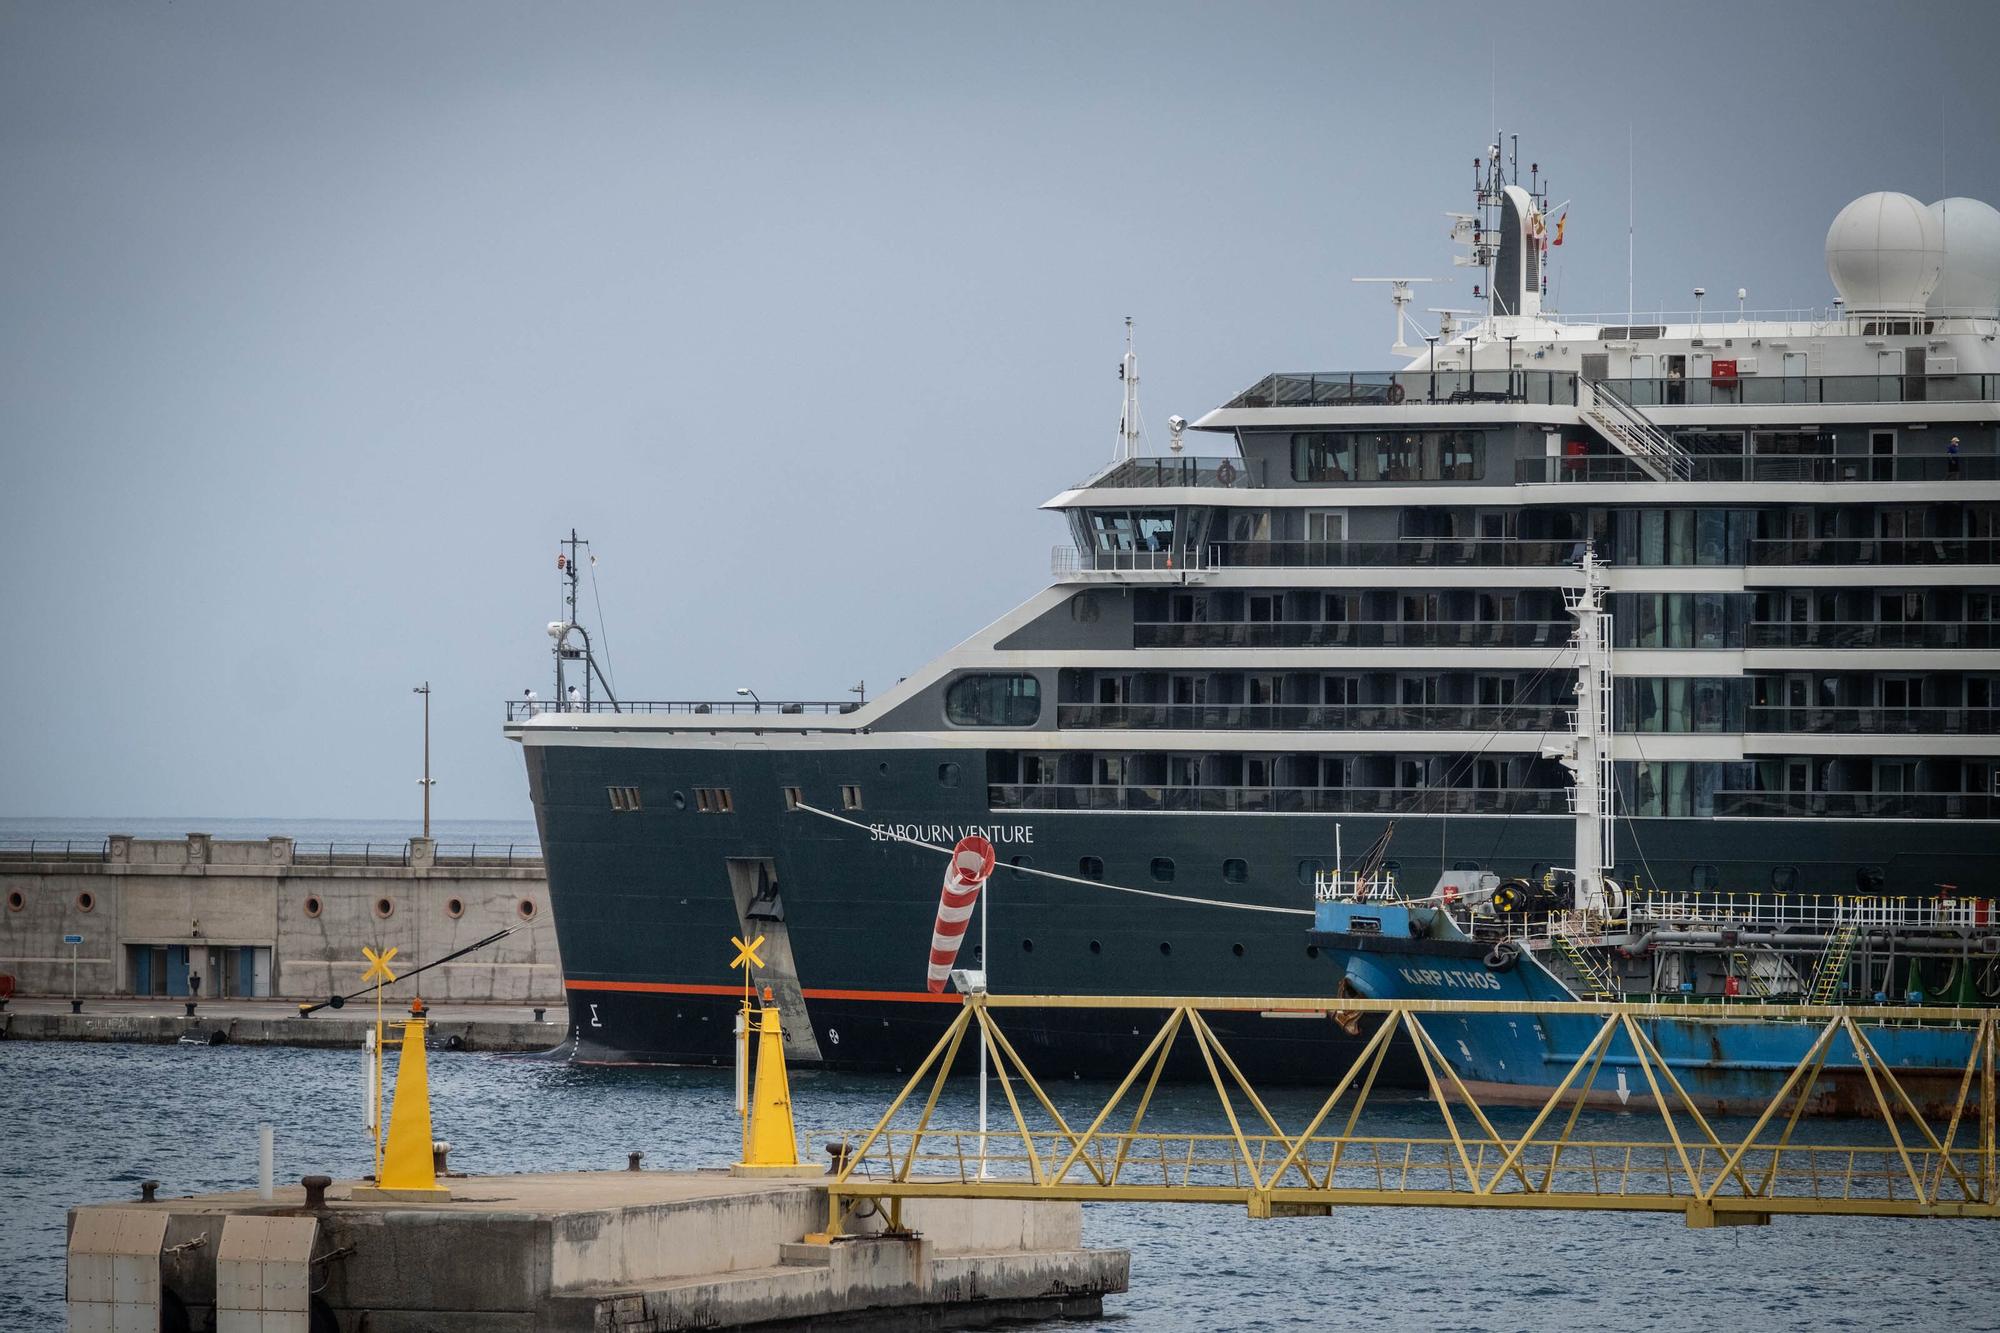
column 772, row 1147
column 408, row 1168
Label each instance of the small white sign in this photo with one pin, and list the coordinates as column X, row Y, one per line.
column 72, row 939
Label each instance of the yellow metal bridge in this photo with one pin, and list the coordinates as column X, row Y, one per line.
column 1902, row 1161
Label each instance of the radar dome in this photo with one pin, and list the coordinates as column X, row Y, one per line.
column 1970, row 230
column 1884, row 254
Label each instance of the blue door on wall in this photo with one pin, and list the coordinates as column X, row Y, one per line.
column 177, row 969
column 142, row 968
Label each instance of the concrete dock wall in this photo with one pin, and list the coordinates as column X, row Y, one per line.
column 202, row 903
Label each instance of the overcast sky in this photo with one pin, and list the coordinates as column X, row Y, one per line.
column 320, row 323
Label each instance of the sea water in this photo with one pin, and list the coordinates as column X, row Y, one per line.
column 87, row 1123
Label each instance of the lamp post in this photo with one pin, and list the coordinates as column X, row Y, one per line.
column 426, row 781
column 1432, row 363
column 752, row 694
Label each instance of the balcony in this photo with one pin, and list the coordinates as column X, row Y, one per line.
column 1855, row 805
column 1874, row 634
column 1283, row 800
column 1386, row 388
column 1499, row 553
column 1779, row 390
column 1874, row 551
column 1174, row 470
column 1804, row 719
column 1807, row 468
column 1316, row 717
column 1352, row 634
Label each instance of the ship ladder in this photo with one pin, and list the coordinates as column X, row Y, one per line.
column 1832, row 965
column 1746, row 969
column 1602, row 982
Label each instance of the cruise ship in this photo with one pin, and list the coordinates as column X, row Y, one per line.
column 1341, row 622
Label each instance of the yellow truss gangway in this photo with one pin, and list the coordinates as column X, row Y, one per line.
column 1938, row 1159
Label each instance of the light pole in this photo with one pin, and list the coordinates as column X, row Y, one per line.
column 425, row 781
column 1431, row 362
column 755, row 701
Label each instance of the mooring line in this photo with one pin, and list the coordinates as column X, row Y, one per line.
column 879, row 833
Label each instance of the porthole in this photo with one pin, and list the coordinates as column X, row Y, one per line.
column 1166, row 949
column 883, row 768
column 1027, row 946
column 86, row 901
column 1095, row 947
column 16, row 901
column 385, row 908
column 1312, row 951
column 680, row 800
column 1472, row 866
column 947, row 774
column 1703, row 878
column 1021, row 865
column 1869, row 879
column 1163, row 869
column 1091, row 867
column 312, row 906
column 1235, row 871
column 525, row 909
column 1784, row 879
column 1309, row 870
column 454, row 908
column 1236, row 949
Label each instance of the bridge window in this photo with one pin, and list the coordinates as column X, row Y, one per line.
column 993, row 701
column 1401, row 455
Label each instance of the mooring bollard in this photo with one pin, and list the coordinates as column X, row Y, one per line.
column 149, row 1191
column 316, row 1187
column 440, row 1150
column 190, row 1008
column 538, row 1013
column 76, row 1006
column 632, row 1160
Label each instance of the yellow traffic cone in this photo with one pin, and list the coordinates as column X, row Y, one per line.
column 773, row 1148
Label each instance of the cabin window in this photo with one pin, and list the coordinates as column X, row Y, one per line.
column 1235, row 871
column 850, row 797
column 1091, row 867
column 993, row 701
column 624, row 799
column 1163, row 869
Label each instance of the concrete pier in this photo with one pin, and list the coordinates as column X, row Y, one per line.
column 588, row 1252
column 455, row 1027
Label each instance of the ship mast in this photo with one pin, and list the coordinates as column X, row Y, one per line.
column 562, row 630
column 1587, row 752
column 1128, row 418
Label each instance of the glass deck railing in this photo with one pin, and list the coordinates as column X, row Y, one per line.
column 1856, row 805
column 520, row 710
column 1875, row 551
column 1281, row 800
column 1392, row 388
column 1353, row 634
column 1179, row 470
column 1777, row 390
column 1763, row 468
column 1317, row 717
column 1871, row 721
column 1874, row 634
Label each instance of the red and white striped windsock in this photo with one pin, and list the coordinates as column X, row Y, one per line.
column 971, row 862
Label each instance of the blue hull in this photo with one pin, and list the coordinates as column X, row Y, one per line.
column 1727, row 1067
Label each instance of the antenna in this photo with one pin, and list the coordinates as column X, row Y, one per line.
column 1631, row 214
column 1399, row 296
column 1130, row 430
column 561, row 630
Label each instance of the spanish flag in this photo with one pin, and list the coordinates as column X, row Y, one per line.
column 1559, row 226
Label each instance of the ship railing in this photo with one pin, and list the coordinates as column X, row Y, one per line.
column 1779, row 390
column 1388, row 389
column 1856, row 804
column 1349, row 886
column 1812, row 468
column 1280, row 800
column 1350, row 634
column 54, row 849
column 1159, row 470
column 1980, row 634
column 1929, row 720
column 1791, row 911
column 1874, row 551
column 1313, row 717
column 1069, row 562
column 520, row 710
